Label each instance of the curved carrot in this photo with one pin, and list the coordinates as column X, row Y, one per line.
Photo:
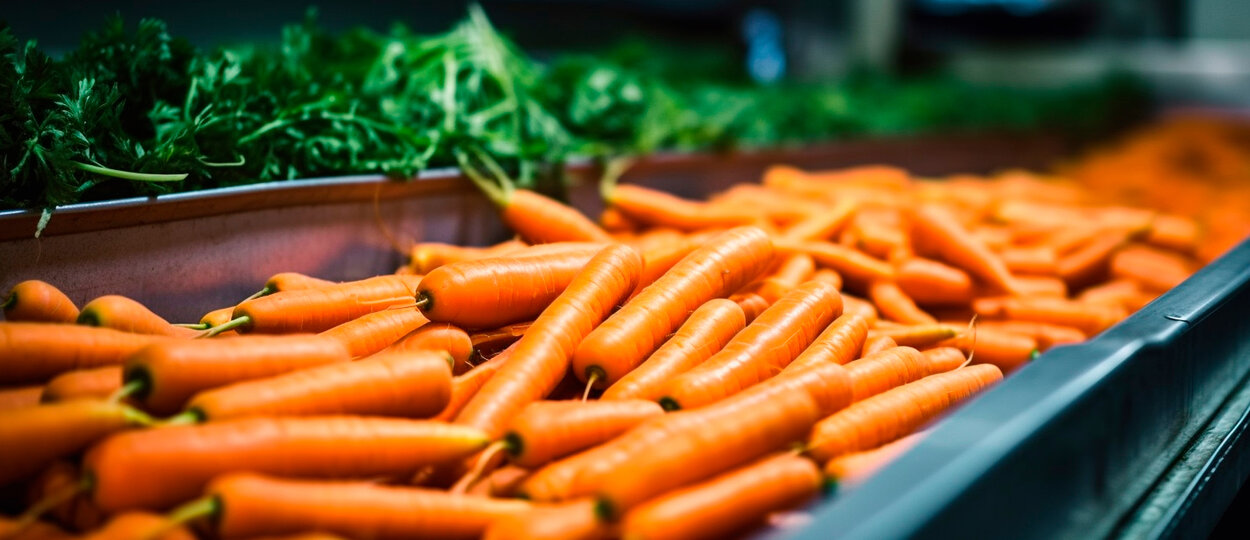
column 439, row 337
column 465, row 386
column 937, row 231
column 876, row 373
column 542, row 355
column 20, row 397
column 897, row 412
column 896, row 305
column 850, row 263
column 100, row 382
column 759, row 351
column 405, row 384
column 569, row 521
column 121, row 313
column 321, row 308
column 157, row 468
column 488, row 293
column 931, row 282
column 657, row 208
column 33, row 437
column 426, row 256
column 37, row 301
column 840, row 343
column 140, row 525
column 919, row 336
column 546, row 430
column 248, row 505
column 878, row 343
column 726, row 504
column 707, row 330
column 850, row 470
column 718, row 268
column 166, row 374
column 36, row 352
column 376, row 331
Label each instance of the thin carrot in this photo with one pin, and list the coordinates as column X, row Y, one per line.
column 707, row 330
column 839, row 343
column 759, row 351
column 1006, row 350
column 375, row 331
column 850, row 263
column 931, row 282
column 896, row 305
column 728, row 503
column 542, row 355
column 573, row 520
column 217, row 317
column 658, row 260
column 426, row 256
column 140, row 526
column 36, row 352
column 243, row 505
column 292, row 281
column 37, row 301
column 488, row 293
column 321, row 308
column 465, row 386
column 919, row 336
column 161, row 377
column 546, row 430
column 157, row 468
column 938, row 232
column 942, row 359
column 33, row 437
column 878, row 343
column 658, row 208
column 1047, row 335
column 413, row 384
column 615, row 222
column 439, row 337
column 1090, row 319
column 878, row 372
column 850, row 470
column 20, row 397
column 100, row 382
column 121, row 313
column 624, row 340
column 896, row 413
column 538, row 219
column 823, row 225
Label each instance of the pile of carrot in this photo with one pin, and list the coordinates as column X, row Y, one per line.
column 674, row 369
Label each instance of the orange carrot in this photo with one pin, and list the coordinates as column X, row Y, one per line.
column 1153, row 269
column 936, row 231
column 823, row 225
column 538, row 219
column 1090, row 319
column 759, row 351
column 33, row 437
column 542, row 355
column 1117, row 292
column 164, row 375
column 440, row 337
column 243, row 505
column 728, row 503
column 121, row 313
column 828, row 275
column 658, row 260
column 931, row 282
column 658, row 208
column 1005, row 350
column 100, row 382
column 1041, row 286
column 20, row 397
column 59, row 487
column 942, row 359
column 36, row 301
column 1036, row 260
column 426, row 256
column 861, row 307
column 839, row 343
column 546, row 430
column 1047, row 335
column 850, row 263
column 615, row 222
column 140, row 525
column 718, row 268
column 322, row 308
column 707, row 330
column 752, row 305
column 1177, row 233
column 878, row 343
column 915, row 335
column 853, row 469
column 218, row 317
column 501, row 482
column 570, row 521
column 157, row 468
column 896, row 413
column 36, row 352
column 878, row 372
column 1089, row 263
column 896, row 305
column 465, row 386
column 376, row 331
column 488, row 293
column 292, row 281
column 880, row 231
column 406, row 384
column 791, row 272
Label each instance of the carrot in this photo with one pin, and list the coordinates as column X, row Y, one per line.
column 839, row 343
column 942, row 359
column 36, row 352
column 291, row 281
column 1006, row 350
column 696, row 445
column 1090, row 319
column 759, row 351
column 936, row 231
column 1117, row 292
column 501, row 482
column 752, row 305
column 406, row 384
column 745, row 415
column 20, row 397
column 728, row 503
column 853, row 469
column 542, row 355
column 931, row 282
column 246, row 505
column 465, row 386
column 828, row 275
column 790, row 273
column 658, row 208
column 880, row 231
column 624, row 340
column 140, row 525
column 37, row 301
column 161, row 377
column 33, row 437
column 658, row 260
column 1153, row 269
column 1036, row 260
column 546, row 430
column 613, row 221
column 20, row 530
column 1041, row 286
column 878, row 343
column 426, row 256
column 60, row 489
column 878, row 372
column 157, row 468
column 1177, row 233
column 823, row 225
column 896, row 305
column 1090, row 262
column 1047, row 335
column 707, row 330
column 100, row 382
column 861, row 307
column 217, row 317
column 439, row 337
column 322, row 308
column 488, row 293
column 121, row 313
column 569, row 521
column 915, row 335
column 850, row 263
column 373, row 332
column 897, row 412
column 538, row 219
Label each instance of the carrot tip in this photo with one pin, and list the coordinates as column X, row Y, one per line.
column 88, row 318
